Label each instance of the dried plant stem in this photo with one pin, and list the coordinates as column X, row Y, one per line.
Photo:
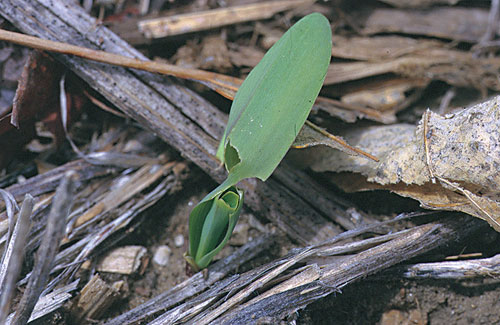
column 198, row 21
column 14, row 256
column 335, row 276
column 217, row 81
column 340, row 141
column 48, row 248
column 484, row 267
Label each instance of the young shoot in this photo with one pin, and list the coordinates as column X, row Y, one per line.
column 267, row 113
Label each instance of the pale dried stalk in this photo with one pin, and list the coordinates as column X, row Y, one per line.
column 198, row 21
column 14, row 256
column 454, row 270
column 48, row 248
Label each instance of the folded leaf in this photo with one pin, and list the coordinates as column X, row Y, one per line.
column 210, row 225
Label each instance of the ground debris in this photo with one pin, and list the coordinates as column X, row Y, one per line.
column 456, row 23
column 96, row 297
column 123, row 260
column 389, row 64
column 461, row 151
column 192, row 22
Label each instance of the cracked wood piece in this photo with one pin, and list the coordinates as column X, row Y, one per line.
column 177, row 115
column 337, row 275
column 96, row 297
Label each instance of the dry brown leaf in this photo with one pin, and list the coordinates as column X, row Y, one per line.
column 378, row 98
column 447, row 163
column 390, row 96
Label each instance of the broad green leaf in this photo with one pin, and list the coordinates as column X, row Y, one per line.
column 268, row 111
column 275, row 99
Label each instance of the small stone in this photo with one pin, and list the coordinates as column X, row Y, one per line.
column 179, row 240
column 162, row 255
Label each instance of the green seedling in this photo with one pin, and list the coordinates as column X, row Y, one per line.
column 267, row 113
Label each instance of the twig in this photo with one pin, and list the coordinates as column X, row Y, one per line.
column 63, row 109
column 373, row 113
column 11, row 207
column 487, row 42
column 218, row 82
column 48, row 182
column 259, row 283
column 50, row 302
column 277, row 268
column 137, row 182
column 48, row 248
column 456, row 270
column 196, row 305
column 102, row 105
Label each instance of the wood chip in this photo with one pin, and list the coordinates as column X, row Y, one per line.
column 123, row 260
column 96, row 297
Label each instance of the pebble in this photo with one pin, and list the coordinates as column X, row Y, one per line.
column 179, row 240
column 162, row 255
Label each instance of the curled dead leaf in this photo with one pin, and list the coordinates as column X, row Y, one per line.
column 447, row 162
